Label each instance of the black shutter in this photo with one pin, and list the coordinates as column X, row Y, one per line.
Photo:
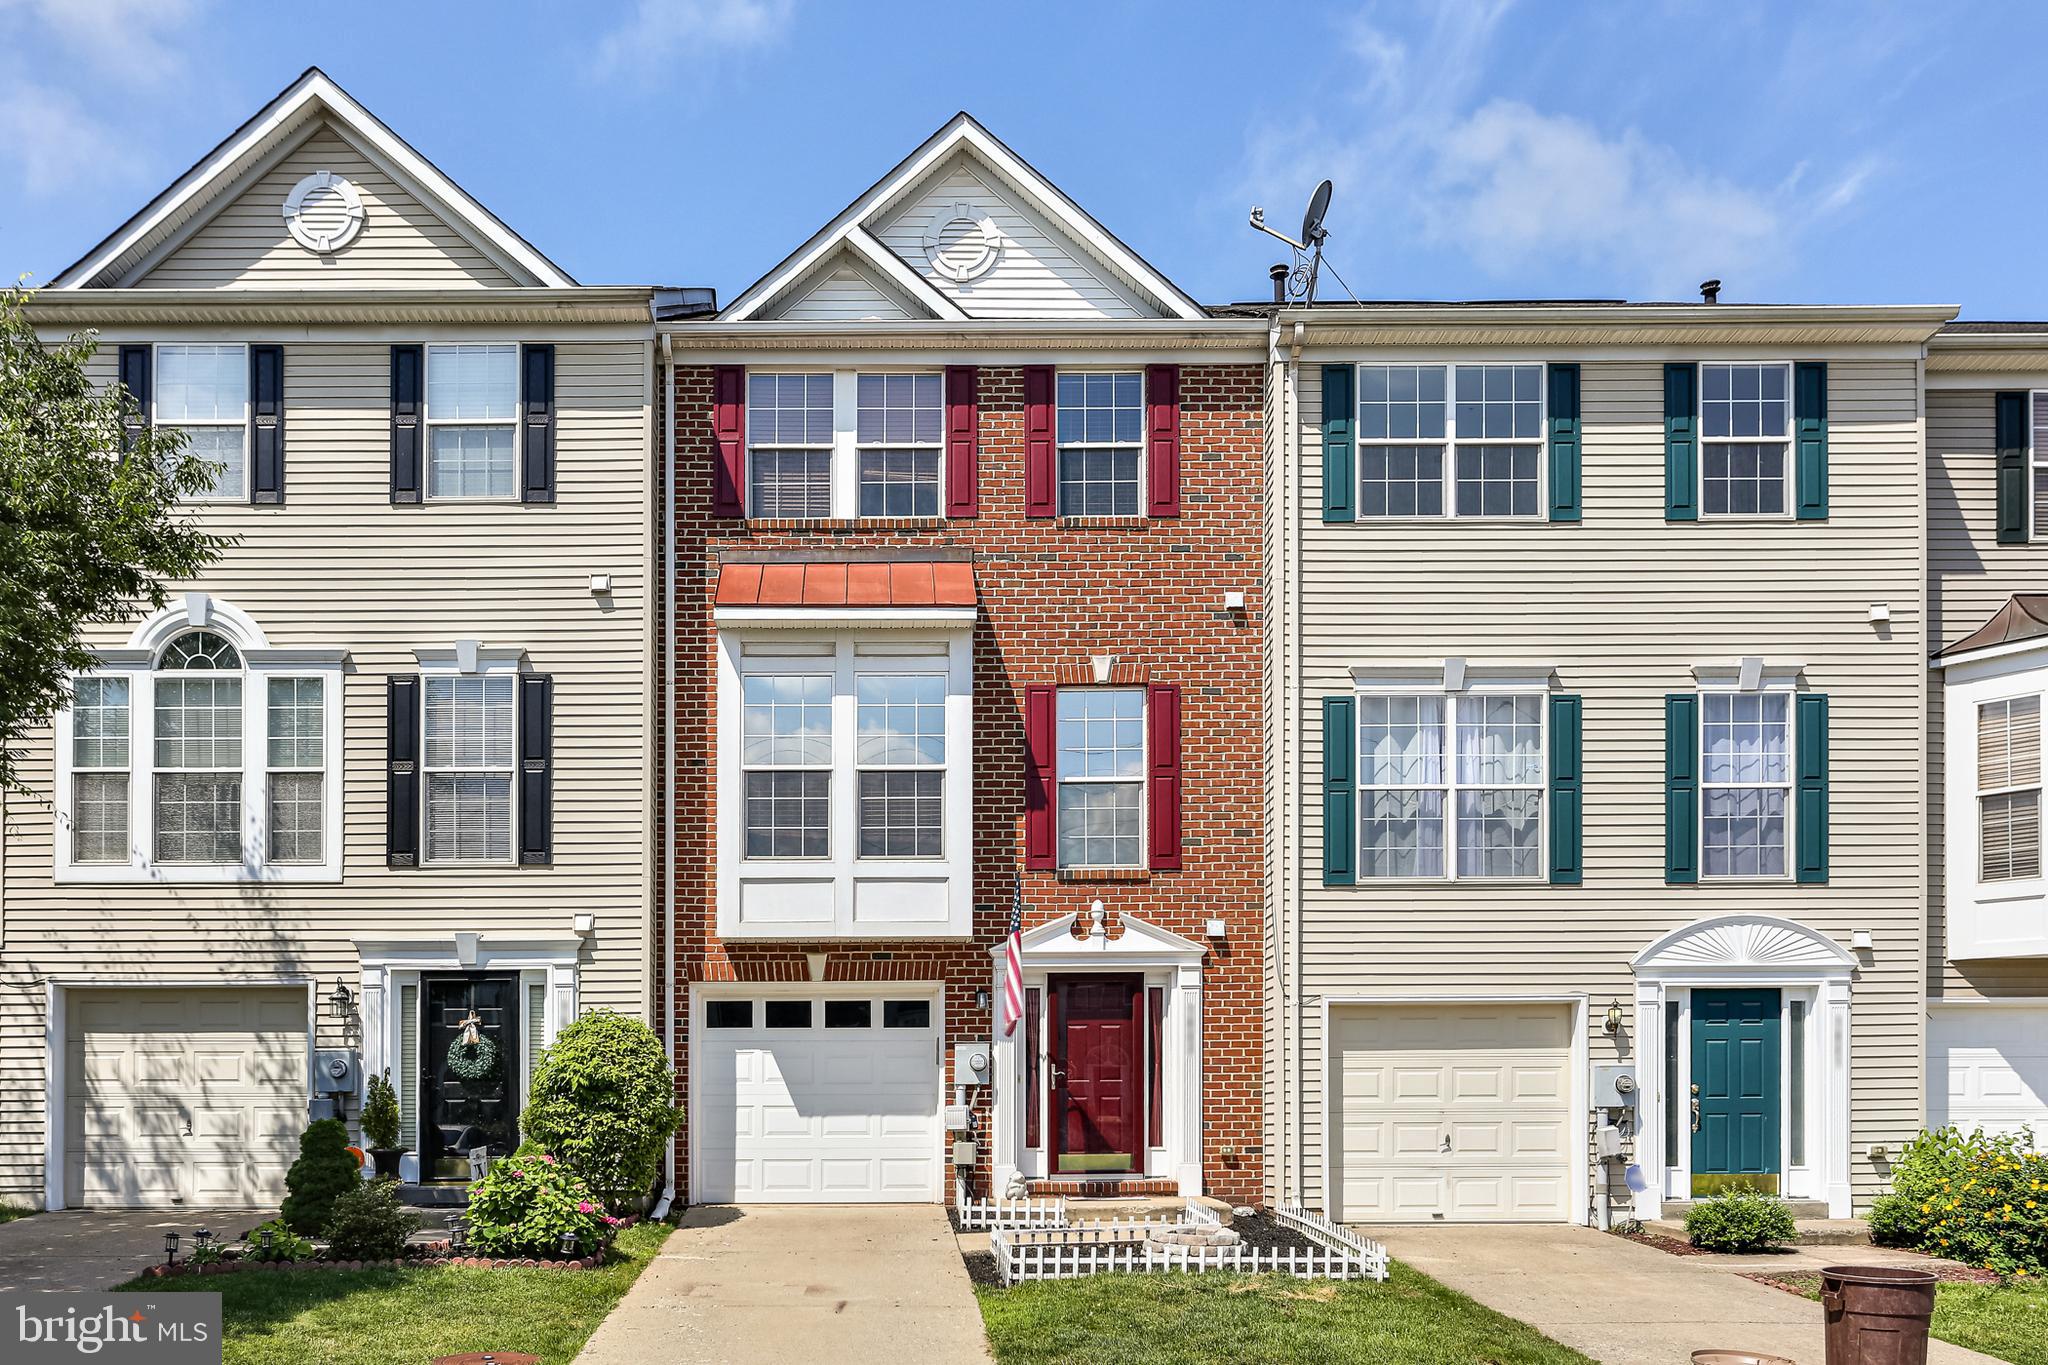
column 136, row 378
column 266, row 424
column 402, row 772
column 408, row 381
column 2010, row 433
column 536, row 769
column 537, row 416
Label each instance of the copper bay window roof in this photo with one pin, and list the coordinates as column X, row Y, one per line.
column 881, row 584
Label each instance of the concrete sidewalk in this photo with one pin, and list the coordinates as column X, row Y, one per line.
column 77, row 1250
column 786, row 1282
column 1629, row 1304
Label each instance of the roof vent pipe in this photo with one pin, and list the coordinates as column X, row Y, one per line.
column 1710, row 291
column 1279, row 274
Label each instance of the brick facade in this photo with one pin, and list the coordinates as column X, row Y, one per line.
column 1054, row 593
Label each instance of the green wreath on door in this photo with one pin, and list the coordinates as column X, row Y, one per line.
column 472, row 1056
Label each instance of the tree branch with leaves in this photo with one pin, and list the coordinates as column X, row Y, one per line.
column 90, row 525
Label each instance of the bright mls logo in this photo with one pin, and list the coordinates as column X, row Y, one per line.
column 162, row 1329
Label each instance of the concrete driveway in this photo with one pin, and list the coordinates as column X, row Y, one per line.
column 77, row 1250
column 785, row 1282
column 1619, row 1301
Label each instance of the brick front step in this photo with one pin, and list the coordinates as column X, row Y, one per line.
column 1125, row 1187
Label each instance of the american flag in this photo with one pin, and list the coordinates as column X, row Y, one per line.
column 1013, row 967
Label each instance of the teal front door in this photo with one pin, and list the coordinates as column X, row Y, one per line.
column 1737, row 1096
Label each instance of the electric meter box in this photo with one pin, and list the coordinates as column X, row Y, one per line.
column 1614, row 1087
column 335, row 1071
column 973, row 1063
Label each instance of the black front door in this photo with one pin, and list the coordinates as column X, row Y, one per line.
column 470, row 1092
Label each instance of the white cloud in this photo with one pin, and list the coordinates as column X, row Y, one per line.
column 56, row 143
column 673, row 32
column 132, row 39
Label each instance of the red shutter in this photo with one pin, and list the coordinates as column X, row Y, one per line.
column 1162, row 440
column 729, row 425
column 963, row 417
column 1040, row 851
column 1162, row 718
column 1040, row 497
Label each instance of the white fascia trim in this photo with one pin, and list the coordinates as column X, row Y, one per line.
column 2010, row 649
column 1771, row 674
column 890, row 266
column 2009, row 1002
column 844, row 618
column 316, row 88
column 438, row 951
column 467, row 656
column 1454, row 675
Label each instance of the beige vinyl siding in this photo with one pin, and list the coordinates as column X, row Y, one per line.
column 1041, row 272
column 338, row 565
column 1623, row 604
column 845, row 294
column 402, row 243
column 1970, row 577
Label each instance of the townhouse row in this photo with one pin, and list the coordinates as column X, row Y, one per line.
column 1437, row 761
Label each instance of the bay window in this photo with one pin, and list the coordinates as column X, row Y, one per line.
column 1459, row 773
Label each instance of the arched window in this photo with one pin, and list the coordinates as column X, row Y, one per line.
column 196, row 750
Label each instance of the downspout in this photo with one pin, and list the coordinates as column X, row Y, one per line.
column 1291, row 439
column 665, row 766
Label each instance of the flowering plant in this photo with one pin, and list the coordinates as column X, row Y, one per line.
column 527, row 1202
column 1978, row 1199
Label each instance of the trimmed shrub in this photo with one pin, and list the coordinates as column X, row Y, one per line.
column 380, row 1113
column 1739, row 1221
column 369, row 1224
column 322, row 1174
column 1978, row 1199
column 524, row 1204
column 603, row 1100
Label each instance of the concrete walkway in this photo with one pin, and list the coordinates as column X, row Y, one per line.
column 79, row 1250
column 1622, row 1302
column 784, row 1282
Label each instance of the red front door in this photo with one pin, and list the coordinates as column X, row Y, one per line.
column 1098, row 1073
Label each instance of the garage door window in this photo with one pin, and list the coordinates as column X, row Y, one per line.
column 729, row 1014
column 849, row 1013
column 906, row 1014
column 789, row 1014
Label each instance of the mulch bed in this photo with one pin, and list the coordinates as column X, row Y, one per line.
column 1803, row 1284
column 422, row 1255
column 1671, row 1246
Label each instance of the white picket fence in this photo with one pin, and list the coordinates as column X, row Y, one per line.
column 976, row 1214
column 1066, row 1253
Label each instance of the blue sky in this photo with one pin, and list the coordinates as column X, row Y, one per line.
column 1859, row 153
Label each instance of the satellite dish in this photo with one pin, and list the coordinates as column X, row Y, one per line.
column 1312, row 221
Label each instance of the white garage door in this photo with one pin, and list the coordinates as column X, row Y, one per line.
column 1451, row 1112
column 817, row 1099
column 1987, row 1067
column 190, row 1097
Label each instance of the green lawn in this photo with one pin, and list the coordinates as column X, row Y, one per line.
column 378, row 1317
column 1154, row 1319
column 2007, row 1321
column 10, row 1212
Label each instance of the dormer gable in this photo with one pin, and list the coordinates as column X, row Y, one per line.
column 964, row 228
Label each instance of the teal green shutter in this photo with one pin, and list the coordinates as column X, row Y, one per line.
column 1810, row 449
column 1564, row 443
column 1681, row 443
column 1810, row 734
column 1340, row 421
column 1682, row 787
column 1340, row 792
column 2012, row 468
column 1567, row 791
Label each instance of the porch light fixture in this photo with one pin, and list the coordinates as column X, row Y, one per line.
column 343, row 1000
column 170, row 1248
column 981, row 1000
column 1613, row 1021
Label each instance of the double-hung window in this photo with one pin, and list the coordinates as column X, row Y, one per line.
column 1440, row 772
column 1457, row 440
column 1745, row 783
column 295, row 755
column 468, row 761
column 2009, row 789
column 203, row 391
column 1101, row 776
column 900, row 436
column 197, row 751
column 900, row 755
column 1100, row 431
column 786, row 754
column 789, row 445
column 99, row 769
column 472, row 421
column 1745, row 439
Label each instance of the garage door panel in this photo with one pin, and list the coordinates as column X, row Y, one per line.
column 1453, row 1111
column 1988, row 1068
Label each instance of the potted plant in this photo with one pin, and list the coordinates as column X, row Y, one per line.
column 380, row 1125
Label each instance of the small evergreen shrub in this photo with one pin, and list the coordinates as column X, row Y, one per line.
column 1978, row 1199
column 380, row 1113
column 603, row 1100
column 323, row 1173
column 524, row 1204
column 369, row 1224
column 1739, row 1221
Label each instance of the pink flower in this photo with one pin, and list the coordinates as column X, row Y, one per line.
column 585, row 1206
column 517, row 1174
column 612, row 1222
column 545, row 1157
